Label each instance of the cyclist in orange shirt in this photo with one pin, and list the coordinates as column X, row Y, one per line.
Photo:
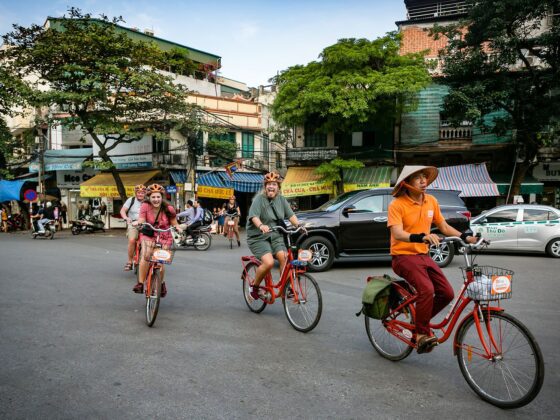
column 411, row 215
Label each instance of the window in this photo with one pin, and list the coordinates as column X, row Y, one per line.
column 538, row 215
column 265, row 146
column 160, row 146
column 371, row 204
column 502, row 216
column 357, row 139
column 278, row 160
column 229, row 136
column 248, row 145
column 315, row 139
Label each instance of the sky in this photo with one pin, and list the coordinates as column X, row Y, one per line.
column 256, row 39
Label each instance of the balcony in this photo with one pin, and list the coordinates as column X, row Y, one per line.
column 307, row 154
column 170, row 160
column 448, row 133
column 436, row 9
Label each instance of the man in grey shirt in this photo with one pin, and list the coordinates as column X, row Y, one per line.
column 129, row 212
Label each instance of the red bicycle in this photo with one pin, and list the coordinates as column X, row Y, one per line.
column 157, row 257
column 302, row 300
column 497, row 355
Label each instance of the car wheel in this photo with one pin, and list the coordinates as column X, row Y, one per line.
column 443, row 254
column 323, row 253
column 553, row 248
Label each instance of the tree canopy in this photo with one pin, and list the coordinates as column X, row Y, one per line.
column 93, row 76
column 505, row 57
column 354, row 80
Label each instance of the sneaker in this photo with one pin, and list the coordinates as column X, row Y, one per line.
column 138, row 288
column 254, row 292
column 163, row 290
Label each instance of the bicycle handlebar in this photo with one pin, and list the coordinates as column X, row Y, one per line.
column 155, row 228
column 480, row 243
column 286, row 231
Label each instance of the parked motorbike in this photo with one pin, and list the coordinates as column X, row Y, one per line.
column 50, row 230
column 15, row 222
column 87, row 225
column 200, row 239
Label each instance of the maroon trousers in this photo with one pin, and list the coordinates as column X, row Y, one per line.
column 433, row 289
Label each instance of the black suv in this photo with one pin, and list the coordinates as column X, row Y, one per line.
column 354, row 225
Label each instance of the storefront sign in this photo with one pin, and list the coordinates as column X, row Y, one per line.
column 214, row 192
column 547, row 171
column 104, row 191
column 73, row 179
column 137, row 154
column 171, row 189
column 354, row 187
column 306, row 188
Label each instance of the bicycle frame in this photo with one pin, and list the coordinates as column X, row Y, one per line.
column 288, row 272
column 446, row 326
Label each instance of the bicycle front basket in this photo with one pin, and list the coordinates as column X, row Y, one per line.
column 154, row 253
column 490, row 283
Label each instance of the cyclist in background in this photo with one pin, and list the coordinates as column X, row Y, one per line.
column 411, row 215
column 129, row 212
column 232, row 212
column 269, row 208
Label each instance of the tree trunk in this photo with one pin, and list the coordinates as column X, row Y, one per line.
column 518, row 177
column 103, row 155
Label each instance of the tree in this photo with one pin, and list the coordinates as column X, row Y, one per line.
column 107, row 83
column 503, row 59
column 332, row 171
column 354, row 80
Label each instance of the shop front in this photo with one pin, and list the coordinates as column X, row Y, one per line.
column 305, row 189
column 549, row 174
column 531, row 190
column 102, row 189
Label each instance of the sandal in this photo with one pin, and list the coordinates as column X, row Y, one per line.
column 139, row 288
column 128, row 266
column 426, row 344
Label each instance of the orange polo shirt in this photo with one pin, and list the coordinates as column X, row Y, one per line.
column 414, row 218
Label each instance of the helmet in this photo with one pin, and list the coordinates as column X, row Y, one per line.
column 140, row 187
column 155, row 188
column 232, row 197
column 272, row 177
column 48, row 204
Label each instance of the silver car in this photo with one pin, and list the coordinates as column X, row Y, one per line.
column 521, row 227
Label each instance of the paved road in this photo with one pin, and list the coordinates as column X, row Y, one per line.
column 74, row 343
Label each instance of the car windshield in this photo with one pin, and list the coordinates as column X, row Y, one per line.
column 335, row 203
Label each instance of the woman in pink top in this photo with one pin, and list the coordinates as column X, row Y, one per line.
column 160, row 214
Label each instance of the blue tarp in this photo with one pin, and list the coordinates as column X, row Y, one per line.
column 10, row 190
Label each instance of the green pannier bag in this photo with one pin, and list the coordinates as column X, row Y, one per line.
column 376, row 297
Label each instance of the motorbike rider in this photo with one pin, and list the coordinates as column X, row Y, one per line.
column 195, row 221
column 129, row 212
column 45, row 214
column 232, row 212
column 188, row 213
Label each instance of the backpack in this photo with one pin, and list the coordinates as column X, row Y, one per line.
column 376, row 297
column 207, row 217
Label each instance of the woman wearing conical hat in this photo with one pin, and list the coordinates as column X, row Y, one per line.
column 411, row 216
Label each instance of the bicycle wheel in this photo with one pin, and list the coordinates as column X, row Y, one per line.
column 202, row 242
column 385, row 343
column 303, row 303
column 152, row 300
column 256, row 306
column 514, row 375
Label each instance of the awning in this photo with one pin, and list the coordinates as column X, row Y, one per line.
column 302, row 181
column 366, row 178
column 529, row 185
column 247, row 182
column 472, row 180
column 103, row 185
column 63, row 160
column 179, row 177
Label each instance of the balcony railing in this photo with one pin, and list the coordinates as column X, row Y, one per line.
column 437, row 9
column 311, row 153
column 449, row 133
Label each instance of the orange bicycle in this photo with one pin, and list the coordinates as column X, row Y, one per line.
column 157, row 257
column 301, row 296
column 497, row 355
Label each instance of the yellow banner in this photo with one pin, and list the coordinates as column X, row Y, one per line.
column 104, row 191
column 354, row 187
column 306, row 188
column 214, row 192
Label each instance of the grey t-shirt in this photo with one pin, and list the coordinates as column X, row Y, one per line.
column 261, row 207
column 135, row 209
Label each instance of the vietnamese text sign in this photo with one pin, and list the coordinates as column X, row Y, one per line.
column 73, row 179
column 306, row 188
column 367, row 186
column 549, row 171
column 104, row 191
column 214, row 192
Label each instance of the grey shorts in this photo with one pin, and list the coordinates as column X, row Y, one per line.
column 262, row 245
